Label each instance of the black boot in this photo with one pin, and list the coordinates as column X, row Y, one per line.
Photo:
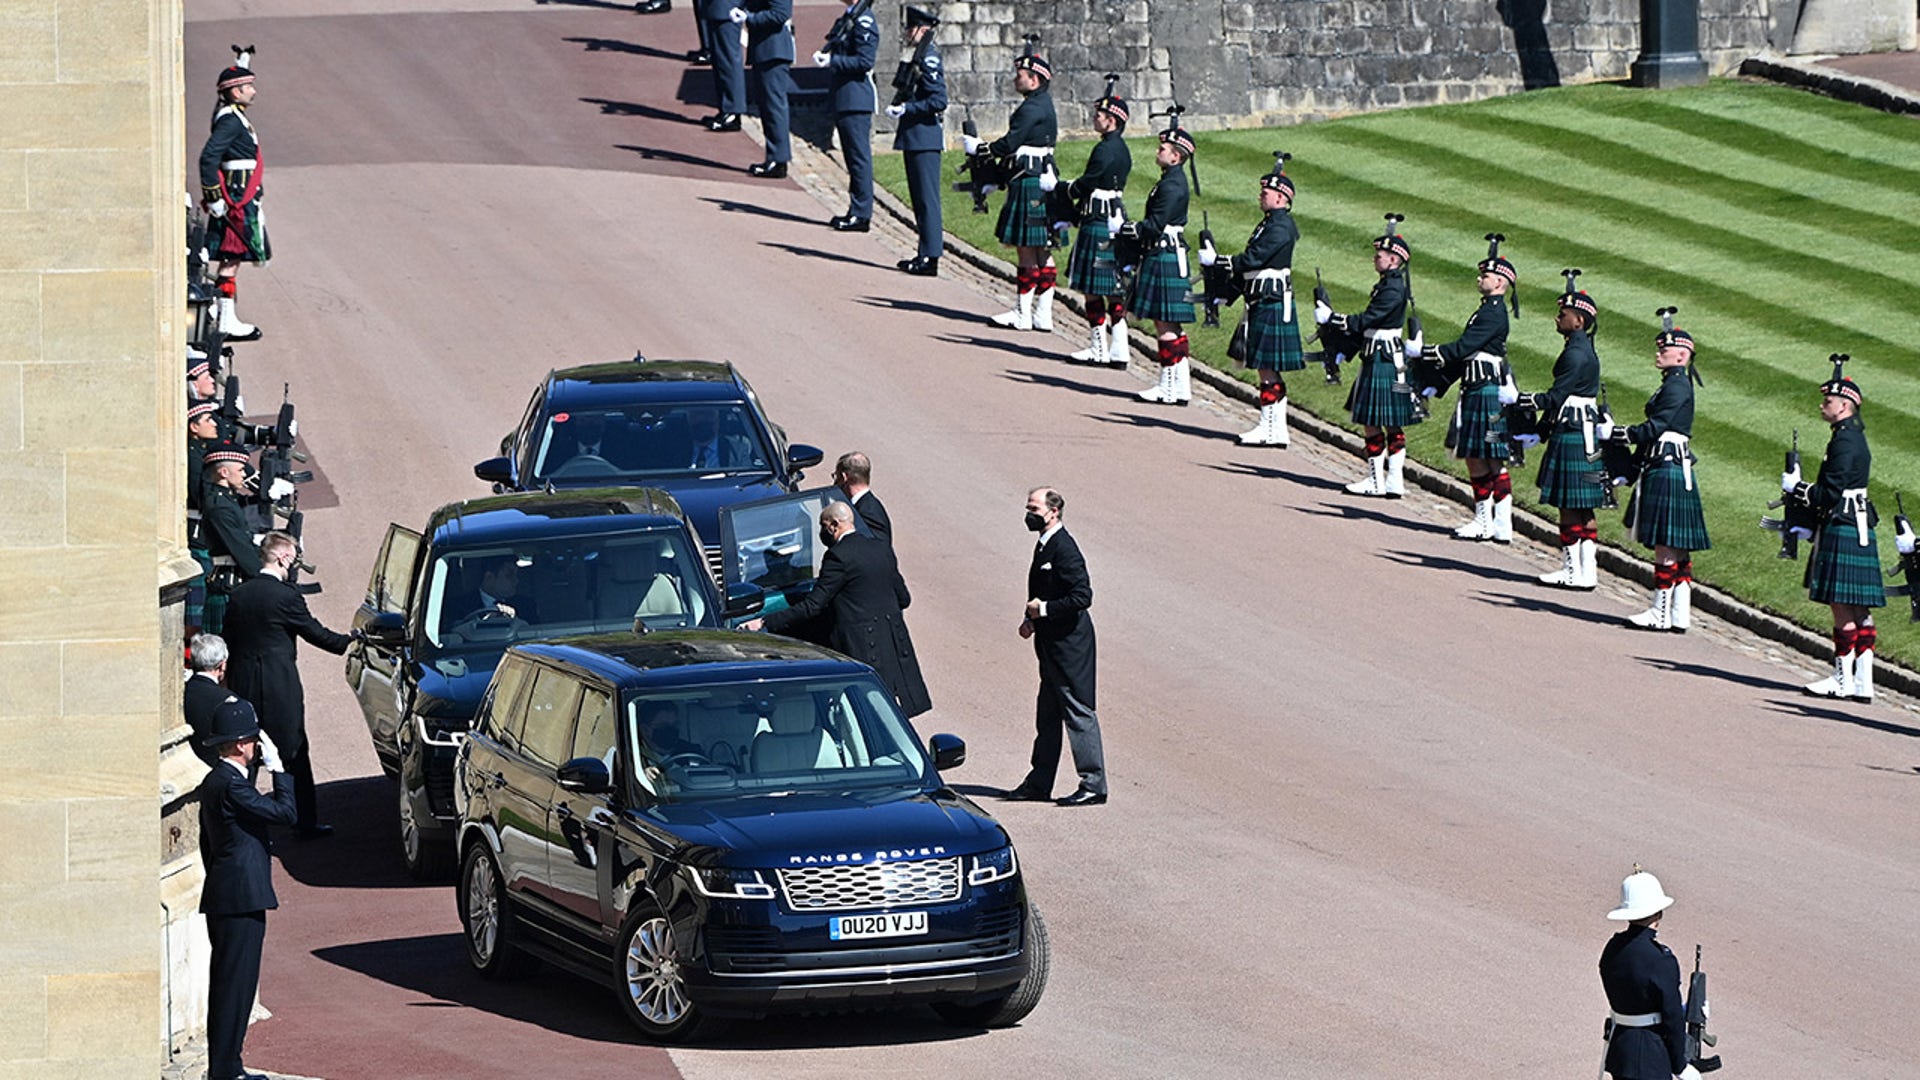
column 768, row 170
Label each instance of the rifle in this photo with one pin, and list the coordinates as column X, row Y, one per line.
column 1697, row 1037
column 1332, row 351
column 1909, row 565
column 843, row 26
column 1601, row 452
column 1789, row 543
column 985, row 173
column 1217, row 283
column 907, row 76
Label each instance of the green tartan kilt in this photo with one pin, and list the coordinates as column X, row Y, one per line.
column 1091, row 269
column 1478, row 428
column 1023, row 220
column 1567, row 479
column 248, row 240
column 1843, row 571
column 1663, row 513
column 1273, row 340
column 197, row 587
column 1378, row 398
column 1160, row 291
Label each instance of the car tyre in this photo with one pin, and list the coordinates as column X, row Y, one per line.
column 486, row 915
column 427, row 852
column 649, row 978
column 1013, row 1006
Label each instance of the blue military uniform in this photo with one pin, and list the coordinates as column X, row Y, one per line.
column 729, row 69
column 853, row 49
column 770, row 52
column 921, row 94
column 1648, row 1039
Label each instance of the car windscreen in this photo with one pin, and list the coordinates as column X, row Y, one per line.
column 649, row 443
column 769, row 738
column 489, row 597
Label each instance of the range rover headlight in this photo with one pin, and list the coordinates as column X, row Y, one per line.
column 993, row 866
column 732, row 883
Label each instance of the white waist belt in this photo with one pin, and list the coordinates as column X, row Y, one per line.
column 1284, row 276
column 1034, row 151
column 1389, row 334
column 1855, row 499
column 1581, row 409
column 1673, row 446
column 1483, row 367
column 241, row 165
column 1105, row 194
column 1636, row 1020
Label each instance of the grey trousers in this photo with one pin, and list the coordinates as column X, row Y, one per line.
column 1058, row 707
column 775, row 80
column 856, row 145
column 923, row 186
column 729, row 65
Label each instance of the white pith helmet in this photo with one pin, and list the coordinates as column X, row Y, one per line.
column 1640, row 897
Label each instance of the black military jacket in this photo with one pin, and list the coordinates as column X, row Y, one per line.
column 1845, row 467
column 1166, row 204
column 1669, row 409
column 196, row 467
column 230, row 140
column 1386, row 307
column 1485, row 332
column 225, row 529
column 1575, row 374
column 1271, row 245
column 1032, row 124
column 1642, row 976
column 1107, row 168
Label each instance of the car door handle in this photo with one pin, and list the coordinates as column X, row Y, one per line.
column 563, row 812
column 498, row 779
column 600, row 818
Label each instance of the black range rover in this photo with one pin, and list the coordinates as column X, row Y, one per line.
column 720, row 824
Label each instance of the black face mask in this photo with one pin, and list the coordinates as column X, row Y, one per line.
column 826, row 538
column 1035, row 523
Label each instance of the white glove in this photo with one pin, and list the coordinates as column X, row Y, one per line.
column 1802, row 532
column 1903, row 542
column 1321, row 312
column 1114, row 224
column 1414, row 345
column 279, row 489
column 971, row 144
column 1790, row 479
column 1049, row 180
column 270, row 754
column 240, row 404
column 1527, row 440
column 821, row 59
column 217, row 208
column 1208, row 256
column 293, row 429
column 1062, row 226
column 1509, row 393
column 1429, row 391
column 1603, row 430
column 896, row 111
column 737, row 15
column 1688, row 1073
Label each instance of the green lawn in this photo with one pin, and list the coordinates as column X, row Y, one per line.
column 1785, row 226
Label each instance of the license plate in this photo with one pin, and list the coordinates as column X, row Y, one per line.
column 900, row 924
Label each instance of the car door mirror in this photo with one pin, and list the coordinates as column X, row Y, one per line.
column 744, row 599
column 801, row 456
column 497, row 470
column 586, row 775
column 949, row 752
column 386, row 630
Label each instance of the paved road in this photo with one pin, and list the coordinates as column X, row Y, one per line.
column 1373, row 788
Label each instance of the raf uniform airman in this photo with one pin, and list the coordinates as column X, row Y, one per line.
column 919, row 106
column 770, row 51
column 853, row 47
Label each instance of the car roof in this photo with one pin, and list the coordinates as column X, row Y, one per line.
column 692, row 657
column 644, row 380
column 523, row 514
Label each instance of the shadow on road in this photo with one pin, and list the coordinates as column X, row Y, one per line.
column 735, row 206
column 916, row 1025
column 656, row 153
column 1361, row 513
column 1143, row 421
column 609, row 107
column 364, row 850
column 921, row 307
column 1758, row 682
column 1268, row 472
column 1820, row 712
column 595, row 44
column 816, row 253
column 1446, row 562
column 1036, row 378
column 1031, row 352
column 1534, row 603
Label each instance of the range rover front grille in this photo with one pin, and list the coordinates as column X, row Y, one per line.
column 871, row 885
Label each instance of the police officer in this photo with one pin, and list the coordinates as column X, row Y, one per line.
column 919, row 104
column 1265, row 272
column 230, row 174
column 1843, row 570
column 729, row 66
column 1664, row 513
column 1024, row 222
column 1091, row 268
column 231, row 555
column 1381, row 399
column 202, row 433
column 1647, row 1028
column 1571, row 477
column 853, row 47
column 1160, row 286
column 1478, row 434
column 770, row 50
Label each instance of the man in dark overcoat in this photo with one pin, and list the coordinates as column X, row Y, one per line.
column 853, row 474
column 860, row 584
column 204, row 692
column 1059, row 592
column 238, row 893
column 266, row 618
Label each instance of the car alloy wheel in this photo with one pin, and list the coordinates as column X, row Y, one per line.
column 493, row 945
column 654, row 984
column 427, row 852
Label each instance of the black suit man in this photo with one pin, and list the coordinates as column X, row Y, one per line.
column 238, row 893
column 860, row 584
column 1059, row 593
column 851, row 474
column 266, row 619
column 204, row 694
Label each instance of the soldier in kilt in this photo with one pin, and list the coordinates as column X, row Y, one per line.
column 1091, row 268
column 1024, row 222
column 1477, row 434
column 1571, row 476
column 1664, row 513
column 1160, row 285
column 230, row 192
column 1381, row 400
column 1265, row 276
column 1843, row 571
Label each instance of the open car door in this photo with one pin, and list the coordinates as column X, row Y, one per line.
column 375, row 665
column 774, row 545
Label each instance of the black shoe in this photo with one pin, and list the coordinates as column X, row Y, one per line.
column 921, row 266
column 1026, row 793
column 767, row 170
column 699, row 56
column 723, row 122
column 652, row 7
column 851, row 224
column 314, row 832
column 1083, row 797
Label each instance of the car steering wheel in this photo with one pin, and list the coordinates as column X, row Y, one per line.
column 684, row 758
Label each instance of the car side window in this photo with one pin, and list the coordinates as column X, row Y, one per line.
column 595, row 732
column 501, row 718
column 549, row 717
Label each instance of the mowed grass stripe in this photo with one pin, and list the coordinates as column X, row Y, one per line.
column 1815, row 122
